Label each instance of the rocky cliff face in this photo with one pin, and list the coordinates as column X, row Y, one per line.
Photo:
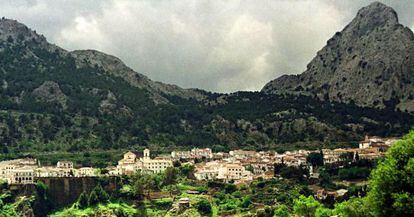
column 16, row 35
column 370, row 62
column 116, row 67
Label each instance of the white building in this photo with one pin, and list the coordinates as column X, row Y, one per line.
column 22, row 175
column 240, row 154
column 18, row 171
column 131, row 163
column 50, row 171
column 193, row 154
column 24, row 171
column 85, row 172
column 62, row 169
column 65, row 164
column 373, row 141
column 225, row 171
column 207, row 171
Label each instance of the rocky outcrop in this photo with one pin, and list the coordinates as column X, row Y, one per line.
column 370, row 62
column 17, row 34
column 14, row 33
column 50, row 91
column 115, row 66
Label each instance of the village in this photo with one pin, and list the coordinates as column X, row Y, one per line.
column 236, row 166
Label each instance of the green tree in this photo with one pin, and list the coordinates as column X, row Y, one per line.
column 143, row 183
column 230, row 188
column 170, row 176
column 187, row 170
column 246, row 202
column 138, row 186
column 204, row 207
column 250, row 168
column 392, row 182
column 282, row 211
column 176, row 163
column 324, row 178
column 354, row 207
column 93, row 199
column 306, row 206
column 42, row 204
column 292, row 172
column 315, row 159
column 83, row 200
column 103, row 197
column 323, row 212
column 98, row 195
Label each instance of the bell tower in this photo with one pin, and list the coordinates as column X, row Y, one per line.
column 147, row 154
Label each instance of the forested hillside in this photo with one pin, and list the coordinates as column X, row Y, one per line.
column 54, row 100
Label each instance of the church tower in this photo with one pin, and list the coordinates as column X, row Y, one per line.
column 147, row 154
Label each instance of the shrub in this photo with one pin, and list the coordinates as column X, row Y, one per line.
column 230, row 188
column 282, row 211
column 164, row 203
column 204, row 206
column 247, row 201
column 306, row 206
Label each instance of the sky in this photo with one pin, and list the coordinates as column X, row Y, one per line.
column 220, row 46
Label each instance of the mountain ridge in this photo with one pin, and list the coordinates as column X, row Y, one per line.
column 370, row 63
column 53, row 100
column 13, row 30
column 114, row 65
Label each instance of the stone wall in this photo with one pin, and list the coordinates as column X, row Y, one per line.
column 64, row 191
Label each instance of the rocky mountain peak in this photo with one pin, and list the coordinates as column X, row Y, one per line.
column 13, row 31
column 378, row 13
column 375, row 15
column 9, row 26
column 370, row 62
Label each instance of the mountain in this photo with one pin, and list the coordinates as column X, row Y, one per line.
column 114, row 66
column 370, row 63
column 16, row 34
column 53, row 100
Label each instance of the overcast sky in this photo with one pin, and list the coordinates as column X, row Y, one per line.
column 221, row 46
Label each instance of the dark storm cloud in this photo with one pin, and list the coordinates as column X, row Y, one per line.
column 215, row 45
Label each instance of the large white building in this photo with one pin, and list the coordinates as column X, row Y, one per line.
column 221, row 170
column 22, row 175
column 19, row 171
column 131, row 163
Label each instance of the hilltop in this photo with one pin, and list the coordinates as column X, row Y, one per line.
column 369, row 63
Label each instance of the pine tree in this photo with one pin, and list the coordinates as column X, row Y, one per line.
column 101, row 193
column 93, row 199
column 83, row 201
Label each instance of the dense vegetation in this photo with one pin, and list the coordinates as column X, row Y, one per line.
column 48, row 103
